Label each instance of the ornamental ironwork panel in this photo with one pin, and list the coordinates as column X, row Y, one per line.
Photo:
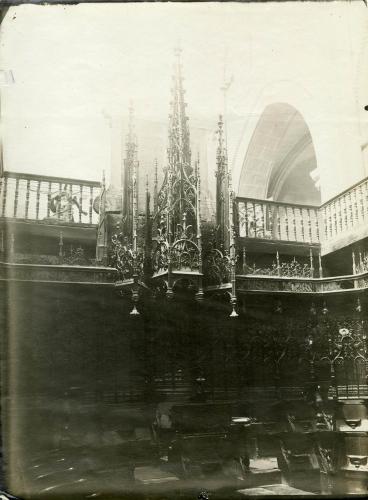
column 216, row 268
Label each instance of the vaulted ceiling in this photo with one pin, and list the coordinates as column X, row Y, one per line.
column 281, row 150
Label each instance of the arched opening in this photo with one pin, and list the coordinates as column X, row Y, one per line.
column 280, row 163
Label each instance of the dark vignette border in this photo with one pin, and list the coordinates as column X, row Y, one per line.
column 4, row 7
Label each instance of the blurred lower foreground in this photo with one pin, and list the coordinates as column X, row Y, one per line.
column 67, row 448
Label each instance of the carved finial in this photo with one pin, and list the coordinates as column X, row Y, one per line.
column 353, row 258
column 320, row 269
column 233, row 314
column 278, row 262
column 134, row 311
column 162, row 219
column 324, row 309
column 311, row 265
column 221, row 152
column 156, row 173
column 244, row 260
column 61, row 246
column 196, row 166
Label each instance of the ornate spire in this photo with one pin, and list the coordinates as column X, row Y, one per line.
column 222, row 191
column 155, row 189
column 179, row 154
column 221, row 149
column 130, row 177
column 101, row 247
column 177, row 240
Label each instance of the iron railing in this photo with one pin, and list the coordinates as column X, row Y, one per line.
column 57, row 273
column 254, row 283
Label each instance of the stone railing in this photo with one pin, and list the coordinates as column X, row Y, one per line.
column 49, row 200
column 344, row 218
column 334, row 224
column 346, row 211
column 277, row 221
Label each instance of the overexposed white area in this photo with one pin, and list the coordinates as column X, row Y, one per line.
column 77, row 67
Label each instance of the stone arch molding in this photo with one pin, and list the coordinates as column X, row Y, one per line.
column 316, row 115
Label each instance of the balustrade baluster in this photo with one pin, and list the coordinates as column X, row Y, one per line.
column 278, row 221
column 80, row 202
column 263, row 220
column 345, row 212
column 246, row 220
column 329, row 225
column 340, row 216
column 5, row 187
column 70, row 205
column 58, row 206
column 317, row 224
column 48, row 200
column 309, row 226
column 335, row 218
column 294, row 224
column 286, row 223
column 330, row 220
column 325, row 221
column 90, row 203
column 327, row 228
column 365, row 197
column 270, row 218
column 361, row 202
column 302, row 223
column 356, row 209
column 28, row 189
column 351, row 214
column 16, row 194
column 38, row 199
column 254, row 219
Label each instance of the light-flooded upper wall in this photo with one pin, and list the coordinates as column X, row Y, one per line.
column 316, row 66
column 77, row 67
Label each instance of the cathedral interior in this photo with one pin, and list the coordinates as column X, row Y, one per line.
column 179, row 332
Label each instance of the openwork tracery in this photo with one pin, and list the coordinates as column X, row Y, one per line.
column 176, row 231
